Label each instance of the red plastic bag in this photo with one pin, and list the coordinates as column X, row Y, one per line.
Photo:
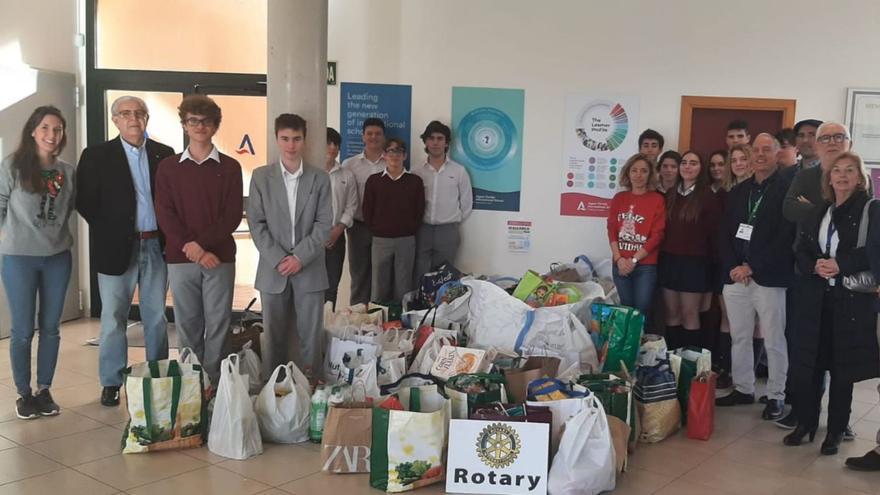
column 701, row 407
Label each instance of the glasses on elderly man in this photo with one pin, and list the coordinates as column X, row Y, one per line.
column 133, row 114
column 837, row 138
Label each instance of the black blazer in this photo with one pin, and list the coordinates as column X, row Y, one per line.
column 106, row 199
column 855, row 351
column 770, row 255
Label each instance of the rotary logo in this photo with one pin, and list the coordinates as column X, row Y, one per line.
column 498, row 445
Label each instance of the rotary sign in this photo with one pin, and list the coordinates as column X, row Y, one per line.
column 497, row 457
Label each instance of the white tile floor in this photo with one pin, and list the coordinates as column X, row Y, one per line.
column 78, row 452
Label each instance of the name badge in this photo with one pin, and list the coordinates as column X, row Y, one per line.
column 744, row 232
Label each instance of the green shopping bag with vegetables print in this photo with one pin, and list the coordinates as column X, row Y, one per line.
column 409, row 446
column 166, row 406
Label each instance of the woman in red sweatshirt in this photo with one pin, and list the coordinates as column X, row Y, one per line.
column 635, row 230
column 689, row 250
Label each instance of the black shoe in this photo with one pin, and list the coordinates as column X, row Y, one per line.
column 774, row 410
column 45, row 404
column 867, row 462
column 796, row 437
column 831, row 445
column 26, row 407
column 735, row 398
column 110, row 396
column 789, row 422
column 848, row 434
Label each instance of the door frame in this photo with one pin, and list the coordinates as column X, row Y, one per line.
column 691, row 103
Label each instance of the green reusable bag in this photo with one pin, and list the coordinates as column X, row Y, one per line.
column 620, row 335
column 409, row 447
column 166, row 406
column 469, row 391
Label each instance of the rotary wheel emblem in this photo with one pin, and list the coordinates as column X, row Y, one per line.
column 498, row 445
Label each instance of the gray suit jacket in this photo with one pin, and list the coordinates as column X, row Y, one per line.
column 270, row 224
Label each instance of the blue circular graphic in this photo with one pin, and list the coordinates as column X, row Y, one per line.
column 487, row 137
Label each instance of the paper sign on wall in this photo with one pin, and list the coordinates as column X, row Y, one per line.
column 519, row 236
column 497, row 457
column 600, row 135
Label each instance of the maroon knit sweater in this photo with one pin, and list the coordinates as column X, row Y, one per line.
column 394, row 208
column 201, row 203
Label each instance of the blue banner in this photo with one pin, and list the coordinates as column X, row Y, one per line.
column 358, row 101
column 487, row 127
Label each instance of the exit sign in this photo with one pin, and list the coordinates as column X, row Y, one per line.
column 331, row 73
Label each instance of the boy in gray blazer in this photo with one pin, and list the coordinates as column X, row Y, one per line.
column 290, row 215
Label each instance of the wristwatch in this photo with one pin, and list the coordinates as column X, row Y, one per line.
column 635, row 260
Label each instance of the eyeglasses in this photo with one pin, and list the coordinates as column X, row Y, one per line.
column 395, row 151
column 837, row 138
column 194, row 122
column 132, row 114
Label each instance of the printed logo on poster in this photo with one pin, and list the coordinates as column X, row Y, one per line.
column 494, row 457
column 246, row 146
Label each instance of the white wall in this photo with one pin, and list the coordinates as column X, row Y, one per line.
column 44, row 29
column 810, row 50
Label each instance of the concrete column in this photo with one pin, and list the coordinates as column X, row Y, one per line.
column 297, row 71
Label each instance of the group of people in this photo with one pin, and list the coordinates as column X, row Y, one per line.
column 775, row 233
column 778, row 238
column 160, row 219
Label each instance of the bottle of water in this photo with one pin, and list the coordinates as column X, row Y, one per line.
column 318, row 413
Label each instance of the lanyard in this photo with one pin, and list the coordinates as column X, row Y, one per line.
column 831, row 230
column 753, row 208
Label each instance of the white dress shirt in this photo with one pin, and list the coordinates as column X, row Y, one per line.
column 291, row 184
column 213, row 155
column 345, row 195
column 448, row 194
column 362, row 169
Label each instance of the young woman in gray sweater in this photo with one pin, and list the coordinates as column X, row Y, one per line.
column 36, row 199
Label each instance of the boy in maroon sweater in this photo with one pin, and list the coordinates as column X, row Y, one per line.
column 394, row 203
column 198, row 207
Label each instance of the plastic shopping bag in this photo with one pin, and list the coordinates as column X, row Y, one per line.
column 235, row 432
column 282, row 408
column 252, row 367
column 585, row 462
column 617, row 332
column 391, row 367
column 340, row 352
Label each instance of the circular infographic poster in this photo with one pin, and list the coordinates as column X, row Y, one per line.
column 487, row 138
column 602, row 126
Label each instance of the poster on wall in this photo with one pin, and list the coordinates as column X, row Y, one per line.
column 487, row 126
column 600, row 134
column 359, row 101
column 863, row 121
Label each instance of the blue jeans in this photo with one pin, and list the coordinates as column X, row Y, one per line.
column 148, row 271
column 23, row 278
column 637, row 289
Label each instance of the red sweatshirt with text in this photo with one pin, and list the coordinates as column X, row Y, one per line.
column 637, row 221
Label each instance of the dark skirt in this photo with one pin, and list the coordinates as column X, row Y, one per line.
column 686, row 273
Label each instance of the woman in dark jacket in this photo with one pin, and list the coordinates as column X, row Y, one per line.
column 837, row 327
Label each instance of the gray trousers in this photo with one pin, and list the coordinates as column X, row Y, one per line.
column 360, row 241
column 333, row 260
column 435, row 244
column 292, row 330
column 393, row 259
column 202, row 310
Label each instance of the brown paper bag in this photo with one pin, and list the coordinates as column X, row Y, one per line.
column 619, row 438
column 518, row 378
column 348, row 433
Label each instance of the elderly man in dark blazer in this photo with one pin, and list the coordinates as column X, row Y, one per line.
column 115, row 191
column 290, row 214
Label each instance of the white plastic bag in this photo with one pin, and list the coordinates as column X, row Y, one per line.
column 424, row 360
column 341, row 351
column 282, row 408
column 359, row 370
column 187, row 356
column 561, row 411
column 584, row 464
column 252, row 367
column 234, row 430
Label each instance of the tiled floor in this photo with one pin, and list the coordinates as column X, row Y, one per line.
column 78, row 452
